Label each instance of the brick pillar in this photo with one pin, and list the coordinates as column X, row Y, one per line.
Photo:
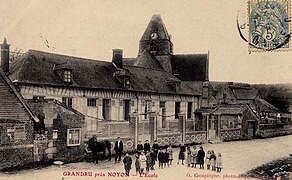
column 153, row 126
column 5, row 56
column 182, row 124
column 134, row 127
column 219, row 126
column 207, row 128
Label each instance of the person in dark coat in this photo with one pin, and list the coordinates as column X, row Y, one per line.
column 119, row 147
column 138, row 165
column 181, row 155
column 139, row 147
column 148, row 161
column 155, row 147
column 153, row 159
column 160, row 157
column 147, row 146
column 166, row 158
column 92, row 144
column 201, row 156
column 127, row 164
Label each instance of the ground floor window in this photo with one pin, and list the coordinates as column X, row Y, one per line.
column 73, row 137
column 67, row 101
column 199, row 122
column 147, row 108
column 91, row 102
column 12, row 133
column 177, row 109
column 190, row 110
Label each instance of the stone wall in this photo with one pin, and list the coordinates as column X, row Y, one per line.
column 16, row 156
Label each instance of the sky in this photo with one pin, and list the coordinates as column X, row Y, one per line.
column 92, row 28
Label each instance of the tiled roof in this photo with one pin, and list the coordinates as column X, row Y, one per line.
column 37, row 67
column 12, row 105
column 155, row 25
column 205, row 110
column 266, row 106
column 37, row 106
column 245, row 93
column 147, row 60
column 129, row 61
column 231, row 109
column 190, row 67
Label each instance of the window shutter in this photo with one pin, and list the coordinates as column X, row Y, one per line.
column 121, row 102
column 142, row 103
column 132, row 103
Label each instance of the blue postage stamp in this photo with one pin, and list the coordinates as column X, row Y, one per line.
column 269, row 25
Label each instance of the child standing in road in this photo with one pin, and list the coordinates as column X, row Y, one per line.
column 213, row 160
column 148, row 161
column 138, row 165
column 170, row 152
column 160, row 157
column 219, row 163
column 166, row 158
column 189, row 153
column 208, row 161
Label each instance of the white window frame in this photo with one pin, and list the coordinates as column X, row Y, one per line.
column 68, row 76
column 55, row 134
column 68, row 136
column 91, row 102
column 65, row 101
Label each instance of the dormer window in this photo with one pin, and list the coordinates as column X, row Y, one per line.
column 67, row 76
column 124, row 78
column 127, row 82
column 174, row 84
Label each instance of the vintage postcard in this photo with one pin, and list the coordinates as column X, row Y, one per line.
column 127, row 89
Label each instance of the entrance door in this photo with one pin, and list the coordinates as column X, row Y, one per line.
column 251, row 129
column 106, row 106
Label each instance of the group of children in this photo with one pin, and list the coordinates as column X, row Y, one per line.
column 146, row 160
column 213, row 161
column 196, row 156
column 165, row 157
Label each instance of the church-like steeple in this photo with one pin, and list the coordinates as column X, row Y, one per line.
column 156, row 38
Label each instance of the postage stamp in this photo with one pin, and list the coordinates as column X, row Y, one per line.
column 269, row 25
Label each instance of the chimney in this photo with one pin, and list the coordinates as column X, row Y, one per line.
column 118, row 58
column 5, row 56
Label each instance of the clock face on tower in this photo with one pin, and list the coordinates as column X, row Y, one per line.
column 154, row 35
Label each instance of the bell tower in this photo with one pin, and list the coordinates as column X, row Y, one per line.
column 156, row 38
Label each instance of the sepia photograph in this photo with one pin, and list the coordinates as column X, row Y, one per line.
column 128, row 89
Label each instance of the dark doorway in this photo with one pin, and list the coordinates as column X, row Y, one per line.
column 127, row 109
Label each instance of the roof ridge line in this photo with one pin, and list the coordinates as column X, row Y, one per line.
column 70, row 56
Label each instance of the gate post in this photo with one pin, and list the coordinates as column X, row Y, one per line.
column 134, row 127
column 182, row 122
column 153, row 126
